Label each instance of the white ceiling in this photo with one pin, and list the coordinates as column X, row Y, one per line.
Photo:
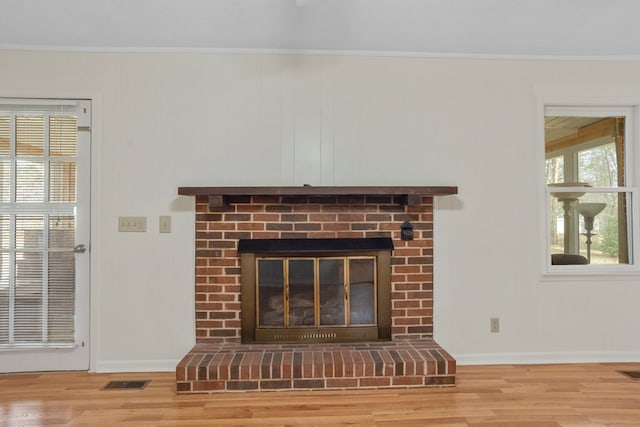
column 519, row 28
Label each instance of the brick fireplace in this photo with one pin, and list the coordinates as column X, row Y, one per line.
column 220, row 361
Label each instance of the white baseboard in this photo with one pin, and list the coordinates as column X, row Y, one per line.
column 107, row 366
column 461, row 359
column 546, row 358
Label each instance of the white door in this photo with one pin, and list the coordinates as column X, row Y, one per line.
column 44, row 234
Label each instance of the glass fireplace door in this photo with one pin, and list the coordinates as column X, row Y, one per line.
column 316, row 292
column 271, row 292
column 332, row 292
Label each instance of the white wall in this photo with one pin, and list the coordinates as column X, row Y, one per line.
column 170, row 120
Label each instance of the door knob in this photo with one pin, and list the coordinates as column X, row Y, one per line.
column 80, row 248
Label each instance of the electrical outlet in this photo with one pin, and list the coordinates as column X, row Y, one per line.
column 495, row 324
column 164, row 224
column 132, row 223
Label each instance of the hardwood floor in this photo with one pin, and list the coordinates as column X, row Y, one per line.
column 523, row 395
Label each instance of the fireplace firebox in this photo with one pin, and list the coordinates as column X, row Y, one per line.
column 316, row 290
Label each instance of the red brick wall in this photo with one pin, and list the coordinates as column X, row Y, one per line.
column 269, row 217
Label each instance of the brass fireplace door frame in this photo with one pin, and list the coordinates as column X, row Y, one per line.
column 251, row 332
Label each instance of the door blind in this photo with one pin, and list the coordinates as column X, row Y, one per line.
column 38, row 149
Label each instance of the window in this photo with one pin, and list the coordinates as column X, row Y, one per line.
column 590, row 202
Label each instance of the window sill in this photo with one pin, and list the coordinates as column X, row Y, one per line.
column 626, row 273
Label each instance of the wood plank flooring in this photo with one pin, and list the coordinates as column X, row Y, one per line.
column 506, row 395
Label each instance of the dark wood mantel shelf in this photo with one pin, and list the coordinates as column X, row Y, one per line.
column 411, row 195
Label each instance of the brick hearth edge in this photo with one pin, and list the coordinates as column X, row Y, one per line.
column 258, row 367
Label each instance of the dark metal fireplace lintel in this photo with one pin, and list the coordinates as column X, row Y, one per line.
column 292, row 246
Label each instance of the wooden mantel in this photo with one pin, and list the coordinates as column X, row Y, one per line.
column 411, row 195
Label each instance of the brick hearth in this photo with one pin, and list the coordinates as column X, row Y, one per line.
column 238, row 367
column 220, row 362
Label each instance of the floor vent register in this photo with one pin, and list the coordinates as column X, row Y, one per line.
column 126, row 385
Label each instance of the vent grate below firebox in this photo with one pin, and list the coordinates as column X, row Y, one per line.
column 126, row 385
column 304, row 336
column 311, row 335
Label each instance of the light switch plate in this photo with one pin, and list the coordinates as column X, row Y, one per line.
column 164, row 224
column 132, row 224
